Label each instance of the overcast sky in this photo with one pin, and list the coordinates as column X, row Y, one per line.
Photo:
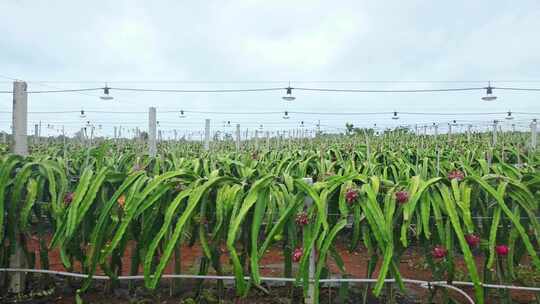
column 263, row 44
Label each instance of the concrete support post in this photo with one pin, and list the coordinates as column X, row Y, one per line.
column 494, row 134
column 308, row 201
column 64, row 144
column 152, row 125
column 92, row 135
column 36, row 133
column 438, row 162
column 20, row 118
column 20, row 147
column 533, row 134
column 207, row 134
column 257, row 139
column 237, row 137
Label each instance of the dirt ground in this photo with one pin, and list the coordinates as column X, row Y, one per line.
column 412, row 266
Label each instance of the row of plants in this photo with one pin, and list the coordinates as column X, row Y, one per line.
column 453, row 198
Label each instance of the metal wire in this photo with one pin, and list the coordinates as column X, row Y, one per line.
column 64, row 90
column 516, row 89
column 278, row 81
column 281, row 112
column 283, row 88
column 197, row 91
column 389, row 91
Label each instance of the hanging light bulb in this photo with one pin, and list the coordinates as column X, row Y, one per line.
column 106, row 95
column 82, row 115
column 489, row 94
column 182, row 114
column 286, row 115
column 395, row 117
column 289, row 96
column 509, row 116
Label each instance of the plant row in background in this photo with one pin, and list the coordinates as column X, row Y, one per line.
column 452, row 198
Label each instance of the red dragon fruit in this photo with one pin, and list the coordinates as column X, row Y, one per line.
column 351, row 195
column 297, row 254
column 302, row 219
column 472, row 239
column 402, row 197
column 68, row 198
column 502, row 250
column 456, row 174
column 438, row 252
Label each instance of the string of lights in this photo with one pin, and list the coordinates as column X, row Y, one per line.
column 261, row 124
column 288, row 112
column 106, row 89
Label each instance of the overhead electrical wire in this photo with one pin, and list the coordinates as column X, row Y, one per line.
column 517, row 89
column 280, row 81
column 279, row 89
column 223, row 113
column 197, row 91
column 280, row 112
column 64, row 90
column 388, row 91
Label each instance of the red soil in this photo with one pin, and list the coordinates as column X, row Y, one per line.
column 411, row 265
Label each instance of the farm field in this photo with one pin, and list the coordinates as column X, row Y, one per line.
column 441, row 209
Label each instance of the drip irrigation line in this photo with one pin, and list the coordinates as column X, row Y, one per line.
column 424, row 284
